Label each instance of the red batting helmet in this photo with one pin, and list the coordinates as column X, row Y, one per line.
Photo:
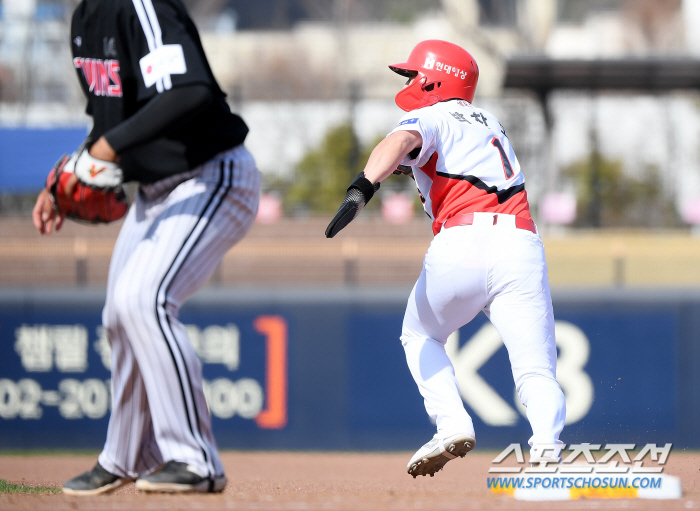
column 441, row 71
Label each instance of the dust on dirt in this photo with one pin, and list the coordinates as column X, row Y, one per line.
column 321, row 480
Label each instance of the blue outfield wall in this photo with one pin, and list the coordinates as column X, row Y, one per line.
column 27, row 155
column 293, row 369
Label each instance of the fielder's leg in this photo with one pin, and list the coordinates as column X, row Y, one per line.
column 192, row 227
column 130, row 448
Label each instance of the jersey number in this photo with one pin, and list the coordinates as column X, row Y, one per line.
column 507, row 168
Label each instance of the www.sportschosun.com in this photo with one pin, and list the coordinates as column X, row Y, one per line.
column 558, row 482
column 582, row 471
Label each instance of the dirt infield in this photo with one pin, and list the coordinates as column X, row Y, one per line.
column 327, row 481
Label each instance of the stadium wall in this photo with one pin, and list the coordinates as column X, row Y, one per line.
column 324, row 369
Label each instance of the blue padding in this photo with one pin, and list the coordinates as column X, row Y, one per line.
column 26, row 155
column 346, row 383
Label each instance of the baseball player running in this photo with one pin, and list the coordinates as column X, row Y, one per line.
column 486, row 254
column 158, row 112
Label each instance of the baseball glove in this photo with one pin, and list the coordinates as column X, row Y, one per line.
column 96, row 197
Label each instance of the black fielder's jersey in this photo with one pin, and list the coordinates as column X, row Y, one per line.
column 125, row 53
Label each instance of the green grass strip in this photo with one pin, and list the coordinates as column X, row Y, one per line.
column 6, row 487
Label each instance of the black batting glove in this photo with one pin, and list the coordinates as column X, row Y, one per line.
column 360, row 191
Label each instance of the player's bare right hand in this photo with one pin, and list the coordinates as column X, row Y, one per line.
column 46, row 218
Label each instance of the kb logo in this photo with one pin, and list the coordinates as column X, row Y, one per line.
column 574, row 350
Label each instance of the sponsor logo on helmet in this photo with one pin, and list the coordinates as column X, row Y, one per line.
column 459, row 73
column 431, row 63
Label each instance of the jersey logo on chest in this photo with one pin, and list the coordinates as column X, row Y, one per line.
column 102, row 76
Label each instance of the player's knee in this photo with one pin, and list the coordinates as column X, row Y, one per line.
column 409, row 336
column 128, row 301
column 109, row 320
column 110, row 314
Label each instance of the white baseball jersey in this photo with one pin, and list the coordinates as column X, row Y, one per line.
column 490, row 263
column 466, row 163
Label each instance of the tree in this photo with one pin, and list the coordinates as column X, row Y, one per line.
column 324, row 173
column 607, row 197
column 322, row 176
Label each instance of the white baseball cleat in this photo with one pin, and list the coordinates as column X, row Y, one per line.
column 435, row 454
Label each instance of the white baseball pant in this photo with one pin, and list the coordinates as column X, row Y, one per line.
column 501, row 270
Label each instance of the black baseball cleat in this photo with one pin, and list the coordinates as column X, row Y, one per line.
column 179, row 477
column 94, row 482
column 433, row 456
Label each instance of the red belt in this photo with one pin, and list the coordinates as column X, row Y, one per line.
column 468, row 219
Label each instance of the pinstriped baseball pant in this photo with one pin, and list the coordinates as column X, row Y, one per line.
column 174, row 236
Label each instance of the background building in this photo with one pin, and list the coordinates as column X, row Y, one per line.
column 298, row 68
